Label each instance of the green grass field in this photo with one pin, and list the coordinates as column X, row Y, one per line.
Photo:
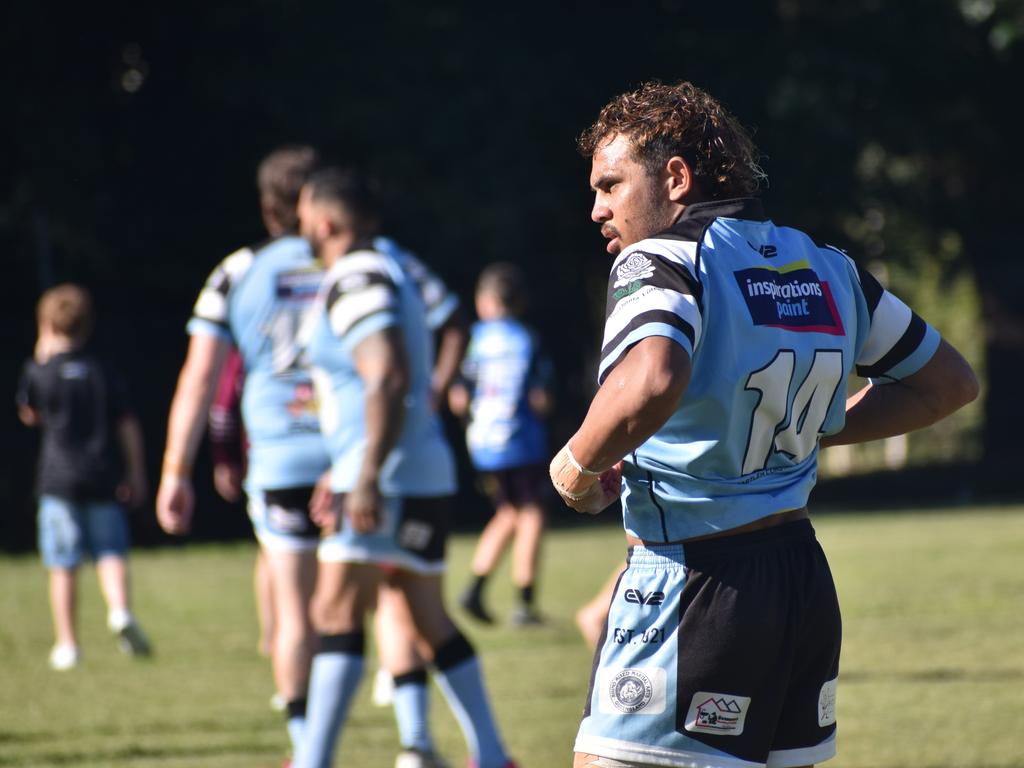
column 932, row 672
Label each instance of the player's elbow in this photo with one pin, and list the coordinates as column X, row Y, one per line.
column 965, row 389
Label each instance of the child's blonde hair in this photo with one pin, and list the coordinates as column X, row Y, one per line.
column 66, row 309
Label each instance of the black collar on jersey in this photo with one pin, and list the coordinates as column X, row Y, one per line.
column 697, row 216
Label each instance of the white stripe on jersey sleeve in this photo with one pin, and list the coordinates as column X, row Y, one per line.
column 648, row 299
column 888, row 324
column 212, row 304
column 349, row 309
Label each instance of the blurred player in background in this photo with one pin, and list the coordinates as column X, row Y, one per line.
column 257, row 300
column 727, row 347
column 91, row 462
column 386, row 500
column 228, row 448
column 505, row 391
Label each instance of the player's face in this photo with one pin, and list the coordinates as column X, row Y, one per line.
column 314, row 223
column 629, row 203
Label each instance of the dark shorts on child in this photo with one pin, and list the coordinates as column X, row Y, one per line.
column 516, row 485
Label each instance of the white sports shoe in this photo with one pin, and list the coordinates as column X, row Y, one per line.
column 64, row 657
column 277, row 702
column 413, row 758
column 383, row 688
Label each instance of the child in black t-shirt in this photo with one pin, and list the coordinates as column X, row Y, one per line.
column 91, row 462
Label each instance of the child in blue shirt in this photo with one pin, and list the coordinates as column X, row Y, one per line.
column 505, row 394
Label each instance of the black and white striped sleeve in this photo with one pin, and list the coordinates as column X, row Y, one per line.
column 210, row 315
column 898, row 341
column 361, row 298
column 652, row 291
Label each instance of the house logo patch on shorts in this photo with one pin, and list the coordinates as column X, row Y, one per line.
column 634, row 691
column 718, row 713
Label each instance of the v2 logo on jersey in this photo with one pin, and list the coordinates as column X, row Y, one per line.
column 638, row 597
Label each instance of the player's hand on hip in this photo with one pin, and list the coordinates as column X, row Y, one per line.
column 362, row 507
column 581, row 489
column 227, row 479
column 323, row 509
column 175, row 501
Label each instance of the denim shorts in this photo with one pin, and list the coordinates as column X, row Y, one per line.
column 68, row 530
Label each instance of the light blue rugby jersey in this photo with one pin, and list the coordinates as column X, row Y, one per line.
column 774, row 324
column 259, row 298
column 503, row 362
column 365, row 292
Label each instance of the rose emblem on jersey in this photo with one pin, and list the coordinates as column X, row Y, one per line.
column 636, row 267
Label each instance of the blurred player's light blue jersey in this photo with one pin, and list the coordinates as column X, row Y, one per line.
column 438, row 302
column 502, row 364
column 259, row 299
column 774, row 324
column 363, row 293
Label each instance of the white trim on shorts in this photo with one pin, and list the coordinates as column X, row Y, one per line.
column 631, row 751
column 333, row 551
column 791, row 758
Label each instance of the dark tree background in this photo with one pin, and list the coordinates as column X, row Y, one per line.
column 133, row 131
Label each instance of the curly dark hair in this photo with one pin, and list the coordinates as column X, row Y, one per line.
column 663, row 121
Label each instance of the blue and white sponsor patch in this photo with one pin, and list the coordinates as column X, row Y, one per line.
column 792, row 297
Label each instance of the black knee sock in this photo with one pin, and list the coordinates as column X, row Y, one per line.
column 476, row 588
column 526, row 595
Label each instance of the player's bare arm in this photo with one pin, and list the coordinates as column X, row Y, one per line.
column 636, row 399
column 28, row 415
column 945, row 384
column 381, row 363
column 185, row 426
column 453, row 337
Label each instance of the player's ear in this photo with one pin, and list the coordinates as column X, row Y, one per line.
column 680, row 179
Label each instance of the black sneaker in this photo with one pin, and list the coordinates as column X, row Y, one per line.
column 471, row 603
column 526, row 616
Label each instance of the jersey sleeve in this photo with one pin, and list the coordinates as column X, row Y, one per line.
column 361, row 299
column 541, row 373
column 438, row 301
column 225, row 413
column 25, row 395
column 898, row 341
column 652, row 291
column 211, row 313
column 121, row 404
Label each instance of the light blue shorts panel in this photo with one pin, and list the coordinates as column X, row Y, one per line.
column 412, row 536
column 70, row 530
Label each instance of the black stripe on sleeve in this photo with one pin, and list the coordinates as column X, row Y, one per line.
column 871, row 288
column 348, row 285
column 901, row 350
column 644, row 318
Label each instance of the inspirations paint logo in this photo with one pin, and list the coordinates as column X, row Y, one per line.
column 790, row 297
